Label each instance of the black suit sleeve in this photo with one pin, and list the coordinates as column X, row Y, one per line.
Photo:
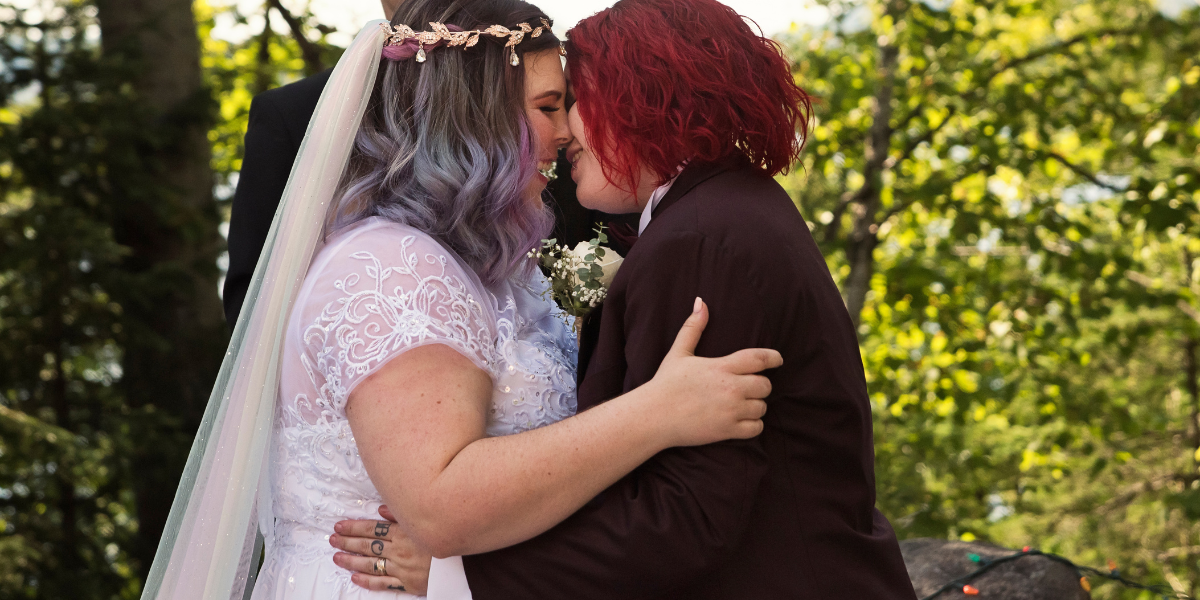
column 681, row 513
column 265, row 169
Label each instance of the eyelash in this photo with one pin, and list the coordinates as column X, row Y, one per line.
column 550, row 109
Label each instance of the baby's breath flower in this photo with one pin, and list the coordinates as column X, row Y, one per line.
column 579, row 278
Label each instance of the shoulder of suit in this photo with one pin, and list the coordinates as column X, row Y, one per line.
column 737, row 200
column 287, row 110
column 302, row 94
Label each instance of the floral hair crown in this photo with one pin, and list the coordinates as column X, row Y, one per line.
column 403, row 43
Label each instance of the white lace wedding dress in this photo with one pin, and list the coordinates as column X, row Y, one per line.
column 373, row 292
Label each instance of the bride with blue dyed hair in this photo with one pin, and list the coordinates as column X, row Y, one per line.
column 398, row 345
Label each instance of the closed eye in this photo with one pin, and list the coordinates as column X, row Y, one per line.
column 554, row 96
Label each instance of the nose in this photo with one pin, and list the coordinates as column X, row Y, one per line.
column 562, row 131
column 574, row 147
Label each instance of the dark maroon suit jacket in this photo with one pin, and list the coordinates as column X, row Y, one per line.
column 788, row 515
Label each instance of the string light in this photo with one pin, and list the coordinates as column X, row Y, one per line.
column 1113, row 574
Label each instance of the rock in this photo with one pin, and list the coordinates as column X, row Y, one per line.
column 933, row 563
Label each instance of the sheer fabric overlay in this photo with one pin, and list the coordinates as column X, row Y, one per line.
column 208, row 547
column 377, row 290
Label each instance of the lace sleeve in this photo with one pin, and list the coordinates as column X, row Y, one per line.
column 381, row 291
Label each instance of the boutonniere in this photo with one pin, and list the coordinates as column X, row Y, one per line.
column 579, row 276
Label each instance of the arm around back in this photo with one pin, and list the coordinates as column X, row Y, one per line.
column 685, row 509
column 406, row 339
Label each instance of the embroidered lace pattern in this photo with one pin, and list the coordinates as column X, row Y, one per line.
column 372, row 294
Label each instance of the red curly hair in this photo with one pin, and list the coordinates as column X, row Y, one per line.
column 664, row 81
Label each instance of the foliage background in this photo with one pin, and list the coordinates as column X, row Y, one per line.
column 1006, row 191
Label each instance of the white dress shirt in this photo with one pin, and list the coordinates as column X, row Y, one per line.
column 448, row 580
column 447, row 577
column 659, row 193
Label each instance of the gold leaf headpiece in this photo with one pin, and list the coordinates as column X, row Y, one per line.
column 442, row 34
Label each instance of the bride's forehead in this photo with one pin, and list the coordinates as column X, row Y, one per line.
column 546, row 65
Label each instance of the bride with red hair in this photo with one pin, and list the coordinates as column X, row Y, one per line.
column 684, row 114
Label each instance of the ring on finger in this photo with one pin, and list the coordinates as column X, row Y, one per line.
column 380, row 567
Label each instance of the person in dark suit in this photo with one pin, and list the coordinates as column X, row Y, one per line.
column 790, row 514
column 278, row 121
column 787, row 515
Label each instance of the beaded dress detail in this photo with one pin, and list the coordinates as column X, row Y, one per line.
column 372, row 293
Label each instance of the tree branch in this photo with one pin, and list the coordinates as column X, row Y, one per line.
column 903, row 206
column 1059, row 47
column 912, row 145
column 1080, row 171
column 33, row 426
column 903, row 123
column 1139, row 278
column 1147, row 282
column 1189, row 310
column 261, row 81
column 312, row 56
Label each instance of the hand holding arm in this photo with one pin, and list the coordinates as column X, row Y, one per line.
column 419, row 422
column 680, row 514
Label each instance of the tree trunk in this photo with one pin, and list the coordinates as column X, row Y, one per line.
column 1192, row 384
column 56, row 395
column 167, row 217
column 1192, row 374
column 860, row 251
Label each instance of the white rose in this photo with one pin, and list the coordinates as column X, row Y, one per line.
column 610, row 262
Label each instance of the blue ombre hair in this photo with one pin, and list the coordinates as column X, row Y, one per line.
column 445, row 146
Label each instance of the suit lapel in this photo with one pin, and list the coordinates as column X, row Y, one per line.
column 589, row 336
column 693, row 175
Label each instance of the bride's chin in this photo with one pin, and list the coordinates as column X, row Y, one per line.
column 534, row 193
column 536, row 186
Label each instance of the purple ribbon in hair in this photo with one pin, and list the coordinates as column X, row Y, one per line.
column 409, row 47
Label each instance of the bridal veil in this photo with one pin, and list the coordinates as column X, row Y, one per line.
column 208, row 547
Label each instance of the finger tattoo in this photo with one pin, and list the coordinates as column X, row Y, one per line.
column 381, row 529
column 398, row 588
column 377, row 547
